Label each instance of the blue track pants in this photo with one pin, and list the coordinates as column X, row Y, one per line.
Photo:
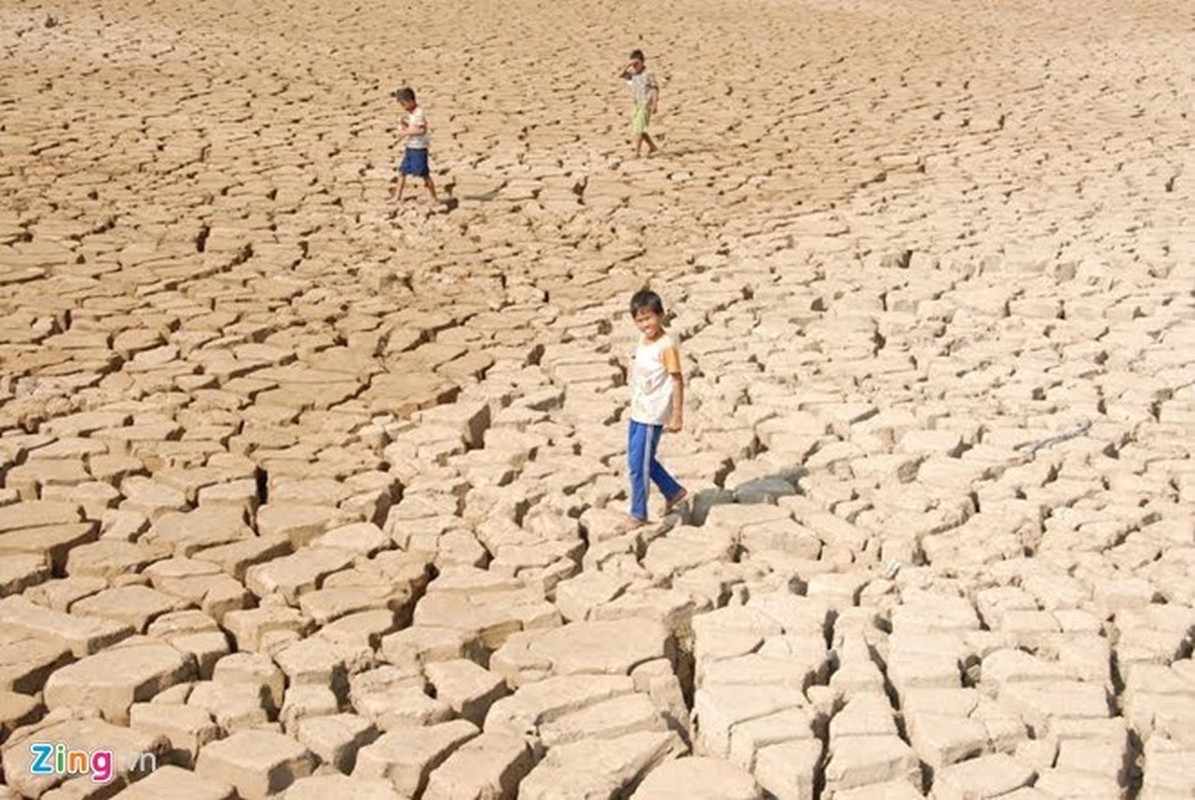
column 642, row 441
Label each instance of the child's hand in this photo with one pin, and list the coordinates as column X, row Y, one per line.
column 674, row 425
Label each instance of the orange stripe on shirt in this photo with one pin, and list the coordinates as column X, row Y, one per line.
column 671, row 359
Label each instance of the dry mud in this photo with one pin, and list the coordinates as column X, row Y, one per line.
column 303, row 492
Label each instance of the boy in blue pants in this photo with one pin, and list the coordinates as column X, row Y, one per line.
column 657, row 398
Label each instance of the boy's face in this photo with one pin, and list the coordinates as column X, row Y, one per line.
column 649, row 323
column 637, row 64
column 408, row 105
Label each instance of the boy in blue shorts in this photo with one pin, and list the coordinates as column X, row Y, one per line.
column 657, row 398
column 416, row 132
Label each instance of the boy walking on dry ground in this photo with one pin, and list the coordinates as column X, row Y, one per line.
column 645, row 92
column 657, row 399
column 417, row 136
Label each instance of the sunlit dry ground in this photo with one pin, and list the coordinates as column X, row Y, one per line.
column 298, row 482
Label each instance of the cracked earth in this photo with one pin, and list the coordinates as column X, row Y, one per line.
column 302, row 491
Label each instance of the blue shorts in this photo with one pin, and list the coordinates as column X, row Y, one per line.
column 414, row 162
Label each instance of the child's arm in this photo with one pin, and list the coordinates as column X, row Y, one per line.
column 676, row 420
column 415, row 130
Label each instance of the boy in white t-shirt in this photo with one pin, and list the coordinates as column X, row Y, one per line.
column 657, row 398
column 416, row 132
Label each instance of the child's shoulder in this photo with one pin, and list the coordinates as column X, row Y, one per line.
column 667, row 341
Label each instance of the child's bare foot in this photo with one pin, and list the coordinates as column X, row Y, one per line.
column 630, row 524
column 675, row 500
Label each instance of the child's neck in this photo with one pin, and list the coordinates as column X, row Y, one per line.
column 659, row 335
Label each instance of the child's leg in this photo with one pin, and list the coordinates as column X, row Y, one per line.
column 667, row 484
column 431, row 187
column 639, row 123
column 660, row 477
column 402, row 184
column 639, row 454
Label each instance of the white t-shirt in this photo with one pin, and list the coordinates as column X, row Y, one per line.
column 644, row 87
column 417, row 119
column 651, row 373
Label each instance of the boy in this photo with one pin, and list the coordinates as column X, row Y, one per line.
column 645, row 92
column 415, row 131
column 657, row 396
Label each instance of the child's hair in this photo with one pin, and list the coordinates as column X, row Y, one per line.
column 637, row 55
column 405, row 95
column 646, row 299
